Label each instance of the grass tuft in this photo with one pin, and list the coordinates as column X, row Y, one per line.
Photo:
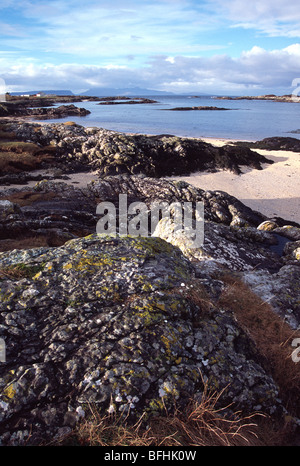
column 201, row 424
column 272, row 337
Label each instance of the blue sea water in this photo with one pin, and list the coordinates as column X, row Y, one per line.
column 249, row 120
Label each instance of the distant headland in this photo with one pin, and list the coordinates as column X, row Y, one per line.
column 272, row 97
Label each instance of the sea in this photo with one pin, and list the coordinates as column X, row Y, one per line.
column 246, row 120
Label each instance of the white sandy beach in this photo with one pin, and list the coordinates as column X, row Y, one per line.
column 273, row 191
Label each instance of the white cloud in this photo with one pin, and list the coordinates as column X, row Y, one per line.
column 272, row 18
column 253, row 69
column 293, row 49
column 258, row 10
column 102, row 29
column 163, row 44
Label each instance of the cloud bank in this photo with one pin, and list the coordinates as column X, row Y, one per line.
column 210, row 46
column 254, row 70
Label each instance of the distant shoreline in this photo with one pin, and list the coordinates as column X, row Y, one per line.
column 271, row 97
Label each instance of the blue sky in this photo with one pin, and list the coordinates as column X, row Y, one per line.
column 218, row 46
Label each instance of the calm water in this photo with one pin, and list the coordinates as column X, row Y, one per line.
column 246, row 120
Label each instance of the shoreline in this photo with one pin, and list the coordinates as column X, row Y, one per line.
column 273, row 191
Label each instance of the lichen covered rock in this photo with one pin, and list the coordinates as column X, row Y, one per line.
column 113, row 153
column 110, row 320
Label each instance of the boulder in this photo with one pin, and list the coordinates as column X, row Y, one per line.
column 113, row 153
column 112, row 321
column 132, row 324
column 8, row 209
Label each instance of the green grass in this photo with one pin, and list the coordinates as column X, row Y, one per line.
column 19, row 271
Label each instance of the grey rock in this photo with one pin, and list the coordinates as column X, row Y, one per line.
column 113, row 321
column 113, row 153
column 103, row 321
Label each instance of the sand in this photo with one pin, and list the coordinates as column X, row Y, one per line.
column 273, row 191
column 79, row 180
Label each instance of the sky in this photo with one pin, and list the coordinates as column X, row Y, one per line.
column 225, row 47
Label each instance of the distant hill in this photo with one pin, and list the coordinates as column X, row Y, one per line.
column 127, row 91
column 47, row 92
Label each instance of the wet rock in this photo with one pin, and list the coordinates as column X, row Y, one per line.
column 57, row 112
column 289, row 231
column 292, row 249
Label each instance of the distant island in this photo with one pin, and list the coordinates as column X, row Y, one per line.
column 196, row 108
column 272, row 97
column 43, row 92
column 125, row 100
column 43, row 106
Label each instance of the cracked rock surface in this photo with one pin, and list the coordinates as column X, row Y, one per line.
column 103, row 320
column 114, row 320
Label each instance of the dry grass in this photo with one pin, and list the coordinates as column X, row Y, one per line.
column 201, row 424
column 24, row 198
column 14, row 163
column 204, row 423
column 196, row 293
column 271, row 335
column 19, row 147
column 19, row 271
column 16, row 156
column 30, row 242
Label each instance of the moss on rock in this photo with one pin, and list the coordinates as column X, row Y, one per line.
column 103, row 321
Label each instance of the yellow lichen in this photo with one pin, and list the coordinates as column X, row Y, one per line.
column 156, row 404
column 9, row 391
column 37, row 276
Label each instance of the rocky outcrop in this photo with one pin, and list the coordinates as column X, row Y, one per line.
column 132, row 324
column 114, row 153
column 56, row 211
column 103, row 320
column 51, row 207
column 57, row 112
column 41, row 113
column 126, row 101
column 271, row 97
column 273, row 143
column 199, row 108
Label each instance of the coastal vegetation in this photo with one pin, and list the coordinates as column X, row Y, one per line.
column 141, row 340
